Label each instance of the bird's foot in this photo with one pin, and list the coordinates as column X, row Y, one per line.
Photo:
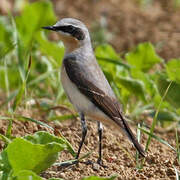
column 100, row 162
column 95, row 165
column 88, row 162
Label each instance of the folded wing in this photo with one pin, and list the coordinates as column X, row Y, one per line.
column 83, row 77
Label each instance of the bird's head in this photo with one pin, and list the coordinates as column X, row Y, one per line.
column 72, row 32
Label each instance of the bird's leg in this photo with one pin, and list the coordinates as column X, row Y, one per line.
column 100, row 129
column 84, row 132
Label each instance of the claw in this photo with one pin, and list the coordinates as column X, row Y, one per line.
column 100, row 162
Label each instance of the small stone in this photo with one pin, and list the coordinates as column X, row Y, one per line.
column 62, row 175
column 95, row 166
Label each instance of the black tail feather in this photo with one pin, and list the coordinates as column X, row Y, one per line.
column 132, row 138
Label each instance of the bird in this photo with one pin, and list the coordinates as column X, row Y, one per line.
column 86, row 85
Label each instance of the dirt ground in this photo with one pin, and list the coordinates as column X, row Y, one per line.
column 159, row 163
column 128, row 26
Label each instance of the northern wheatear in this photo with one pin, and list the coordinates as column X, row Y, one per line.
column 85, row 84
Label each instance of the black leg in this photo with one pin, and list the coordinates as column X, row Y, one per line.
column 100, row 129
column 84, row 132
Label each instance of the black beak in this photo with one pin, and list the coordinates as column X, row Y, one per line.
column 52, row 28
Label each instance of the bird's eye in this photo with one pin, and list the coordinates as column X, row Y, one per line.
column 74, row 31
column 78, row 34
column 71, row 28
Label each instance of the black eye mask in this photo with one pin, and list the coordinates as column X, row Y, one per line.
column 74, row 31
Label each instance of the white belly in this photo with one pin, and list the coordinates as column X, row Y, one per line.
column 80, row 102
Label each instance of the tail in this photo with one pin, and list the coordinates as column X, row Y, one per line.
column 131, row 136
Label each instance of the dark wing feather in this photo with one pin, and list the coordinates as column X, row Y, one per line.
column 109, row 105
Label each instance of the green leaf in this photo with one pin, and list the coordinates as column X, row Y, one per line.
column 42, row 137
column 147, row 79
column 33, row 17
column 55, row 50
column 106, row 51
column 112, row 61
column 41, row 77
column 165, row 115
column 177, row 146
column 134, row 86
column 11, row 96
column 22, row 88
column 173, row 70
column 143, row 57
column 4, row 138
column 27, row 25
column 99, row 178
column 27, row 175
column 22, row 154
column 106, row 54
column 157, row 138
column 173, row 95
column 19, row 96
column 13, row 77
column 6, row 43
column 156, row 114
column 23, row 118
